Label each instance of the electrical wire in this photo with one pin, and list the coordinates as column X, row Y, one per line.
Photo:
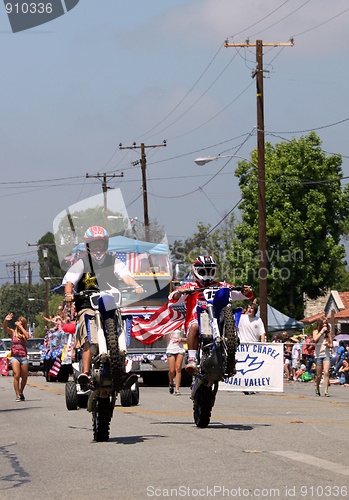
column 263, row 18
column 223, row 218
column 321, row 24
column 186, row 95
column 246, row 134
column 309, row 130
column 195, row 102
column 214, row 116
column 282, row 19
column 211, row 179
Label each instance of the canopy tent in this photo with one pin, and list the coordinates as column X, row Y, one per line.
column 278, row 322
column 125, row 245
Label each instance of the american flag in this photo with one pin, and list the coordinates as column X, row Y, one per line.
column 131, row 260
column 165, row 320
column 55, row 368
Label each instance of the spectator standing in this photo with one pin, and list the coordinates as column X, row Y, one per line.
column 175, row 353
column 309, row 352
column 19, row 360
column 296, row 353
column 288, row 359
column 323, row 343
column 251, row 329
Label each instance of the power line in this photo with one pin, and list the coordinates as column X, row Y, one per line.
column 282, row 19
column 201, row 96
column 321, row 24
column 186, row 95
column 214, row 116
column 310, row 129
column 263, row 18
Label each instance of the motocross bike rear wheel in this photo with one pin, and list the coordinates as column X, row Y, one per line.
column 227, row 329
column 114, row 353
column 101, row 419
column 202, row 406
column 71, row 398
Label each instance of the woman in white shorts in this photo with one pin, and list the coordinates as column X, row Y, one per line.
column 175, row 353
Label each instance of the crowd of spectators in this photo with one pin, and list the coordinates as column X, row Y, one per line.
column 299, row 359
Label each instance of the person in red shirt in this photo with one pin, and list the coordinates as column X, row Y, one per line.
column 19, row 360
column 204, row 272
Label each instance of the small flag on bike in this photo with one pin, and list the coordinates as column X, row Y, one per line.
column 163, row 321
column 55, row 368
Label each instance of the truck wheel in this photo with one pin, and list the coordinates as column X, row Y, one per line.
column 126, row 397
column 71, row 399
column 135, row 394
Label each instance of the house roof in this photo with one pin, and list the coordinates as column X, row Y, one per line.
column 312, row 319
column 341, row 300
column 344, row 296
column 344, row 313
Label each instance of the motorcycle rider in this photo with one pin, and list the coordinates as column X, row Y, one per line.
column 204, row 272
column 95, row 270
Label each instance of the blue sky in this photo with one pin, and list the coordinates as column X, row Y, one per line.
column 111, row 71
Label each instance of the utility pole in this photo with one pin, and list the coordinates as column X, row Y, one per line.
column 13, row 267
column 104, row 188
column 262, row 237
column 143, row 147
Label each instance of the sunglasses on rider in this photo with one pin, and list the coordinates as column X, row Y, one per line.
column 98, row 246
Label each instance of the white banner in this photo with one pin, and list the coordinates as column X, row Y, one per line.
column 259, row 367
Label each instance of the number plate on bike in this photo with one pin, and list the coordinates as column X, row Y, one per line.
column 209, row 293
column 205, row 326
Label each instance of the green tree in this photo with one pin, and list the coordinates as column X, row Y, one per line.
column 14, row 298
column 306, row 215
column 53, row 268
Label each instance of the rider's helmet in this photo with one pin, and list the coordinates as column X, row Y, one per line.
column 204, row 269
column 96, row 242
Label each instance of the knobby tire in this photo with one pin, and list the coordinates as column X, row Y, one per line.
column 114, row 353
column 101, row 419
column 228, row 332
column 202, row 406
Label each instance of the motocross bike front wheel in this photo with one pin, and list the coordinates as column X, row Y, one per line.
column 114, row 353
column 203, row 403
column 227, row 329
column 101, row 419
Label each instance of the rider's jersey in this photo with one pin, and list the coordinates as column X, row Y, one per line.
column 84, row 277
column 190, row 301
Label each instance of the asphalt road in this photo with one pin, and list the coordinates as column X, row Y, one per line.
column 290, row 445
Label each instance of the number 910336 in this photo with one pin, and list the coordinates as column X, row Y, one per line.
column 29, row 8
column 323, row 491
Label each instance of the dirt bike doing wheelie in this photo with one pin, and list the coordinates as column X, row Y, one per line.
column 218, row 341
column 108, row 365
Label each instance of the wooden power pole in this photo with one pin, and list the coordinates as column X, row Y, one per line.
column 262, row 238
column 104, row 188
column 143, row 147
